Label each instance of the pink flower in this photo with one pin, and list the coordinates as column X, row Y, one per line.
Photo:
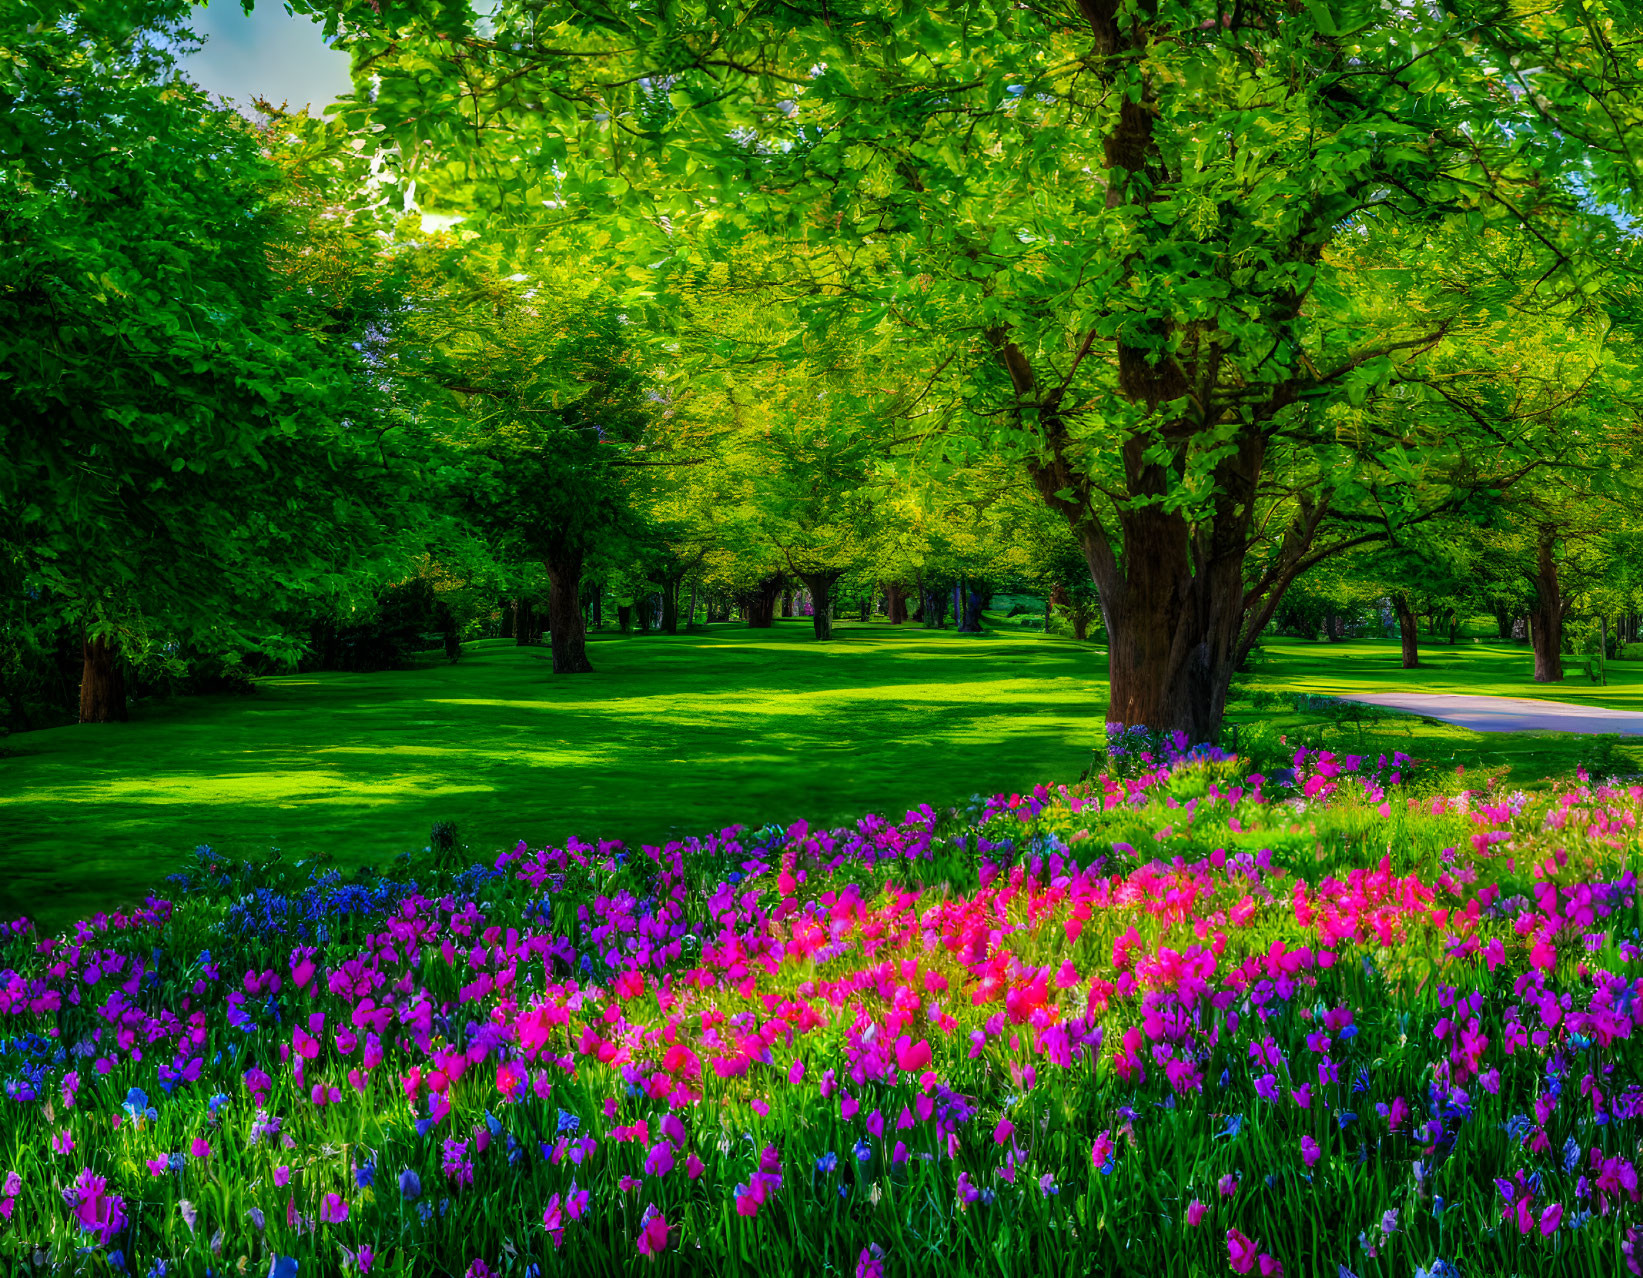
column 1242, row 1252
column 693, row 1166
column 912, row 1056
column 1001, row 1133
column 1228, row 1185
column 1310, row 1153
column 1270, row 1268
column 282, row 1176
column 333, row 1211
column 200, row 1148
column 62, row 1142
column 652, row 1240
column 365, row 1258
column 1550, row 1219
column 1195, row 1212
column 870, row 1264
column 796, row 1072
column 1101, row 1149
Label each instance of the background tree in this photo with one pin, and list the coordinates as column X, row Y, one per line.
column 186, row 446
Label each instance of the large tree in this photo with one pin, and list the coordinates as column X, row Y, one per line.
column 1172, row 237
column 185, row 447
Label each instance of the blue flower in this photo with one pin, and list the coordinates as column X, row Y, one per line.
column 827, row 1162
column 1233, row 1125
column 217, row 1102
column 283, row 1267
column 493, row 1123
column 1347, row 1033
column 365, row 1174
column 568, row 1122
column 863, row 1151
column 136, row 1103
column 410, row 1185
column 1344, row 1117
column 423, row 1126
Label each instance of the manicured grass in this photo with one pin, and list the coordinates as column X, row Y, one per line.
column 1482, row 669
column 672, row 736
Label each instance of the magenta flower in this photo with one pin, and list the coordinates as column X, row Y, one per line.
column 693, row 1166
column 1310, row 1152
column 1228, row 1185
column 62, row 1142
column 1195, row 1212
column 97, row 1210
column 282, row 1176
column 1550, row 1219
column 365, row 1258
column 870, row 1264
column 200, row 1147
column 1101, row 1149
column 659, row 1162
column 652, row 1240
column 333, row 1211
column 1002, row 1132
column 1242, row 1253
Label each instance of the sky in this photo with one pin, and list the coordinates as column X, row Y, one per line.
column 271, row 54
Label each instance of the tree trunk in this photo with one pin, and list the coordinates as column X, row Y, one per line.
column 866, row 609
column 565, row 633
column 761, row 603
column 895, row 603
column 102, row 683
column 1503, row 623
column 1603, row 650
column 1546, row 628
column 787, row 603
column 1407, row 631
column 970, row 602
column 521, row 622
column 598, row 615
column 820, row 585
column 670, row 605
column 1081, row 625
column 935, row 608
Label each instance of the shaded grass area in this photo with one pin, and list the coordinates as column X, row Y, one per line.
column 673, row 736
column 1289, row 666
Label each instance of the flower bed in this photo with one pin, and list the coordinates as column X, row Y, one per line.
column 1177, row 1020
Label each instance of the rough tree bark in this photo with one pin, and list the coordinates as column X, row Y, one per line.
column 1407, row 630
column 969, row 619
column 102, row 682
column 566, row 636
column 1546, row 628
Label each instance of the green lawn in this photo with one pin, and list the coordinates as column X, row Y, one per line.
column 1486, row 669
column 674, row 735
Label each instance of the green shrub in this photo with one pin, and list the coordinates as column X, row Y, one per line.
column 1631, row 652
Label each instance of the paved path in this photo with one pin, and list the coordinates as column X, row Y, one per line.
column 1508, row 714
